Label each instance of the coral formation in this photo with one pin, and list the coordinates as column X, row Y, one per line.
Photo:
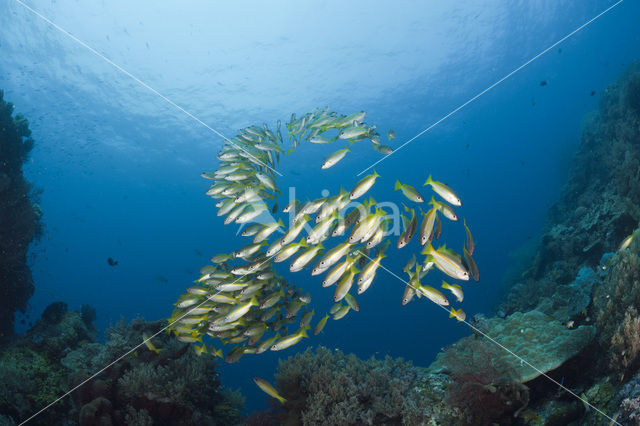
column 580, row 277
column 174, row 386
column 31, row 375
column 534, row 336
column 483, row 384
column 615, row 307
column 569, row 301
column 329, row 387
column 61, row 351
column 628, row 400
column 600, row 204
column 19, row 219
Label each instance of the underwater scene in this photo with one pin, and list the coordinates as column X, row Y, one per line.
column 320, row 213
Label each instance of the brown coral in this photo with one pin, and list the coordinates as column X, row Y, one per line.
column 615, row 304
column 625, row 343
column 483, row 384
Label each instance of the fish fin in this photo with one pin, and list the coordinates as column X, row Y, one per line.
column 405, row 220
column 428, row 248
column 383, row 248
column 303, row 331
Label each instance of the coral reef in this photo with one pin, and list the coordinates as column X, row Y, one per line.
column 329, row 387
column 19, row 218
column 31, row 375
column 484, row 385
column 628, row 401
column 580, row 277
column 568, row 302
column 615, row 305
column 172, row 387
column 534, row 336
column 600, row 204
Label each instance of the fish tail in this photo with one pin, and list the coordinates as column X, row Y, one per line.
column 398, row 185
column 303, row 331
column 428, row 248
column 429, row 181
column 452, row 313
column 281, row 399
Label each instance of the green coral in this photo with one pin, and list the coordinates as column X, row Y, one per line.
column 31, row 374
column 29, row 381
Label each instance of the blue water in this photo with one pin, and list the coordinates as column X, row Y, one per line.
column 120, row 167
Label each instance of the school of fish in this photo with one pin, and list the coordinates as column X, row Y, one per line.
column 240, row 300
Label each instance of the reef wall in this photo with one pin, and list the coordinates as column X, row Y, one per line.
column 19, row 218
column 599, row 205
column 582, row 275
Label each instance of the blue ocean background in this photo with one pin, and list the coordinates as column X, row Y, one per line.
column 119, row 167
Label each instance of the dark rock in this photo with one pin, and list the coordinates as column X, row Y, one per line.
column 96, row 413
column 54, row 313
column 88, row 314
